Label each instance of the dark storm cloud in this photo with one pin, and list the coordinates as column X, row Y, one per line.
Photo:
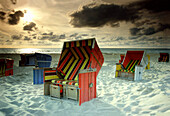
column 12, row 17
column 14, row 1
column 15, row 17
column 135, row 31
column 111, row 14
column 101, row 15
column 30, row 26
column 151, row 5
column 150, row 30
column 145, row 22
column 2, row 15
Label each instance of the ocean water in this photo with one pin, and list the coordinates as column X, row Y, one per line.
column 58, row 50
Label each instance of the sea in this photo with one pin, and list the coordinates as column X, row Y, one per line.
column 104, row 50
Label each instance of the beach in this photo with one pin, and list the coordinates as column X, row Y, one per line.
column 115, row 97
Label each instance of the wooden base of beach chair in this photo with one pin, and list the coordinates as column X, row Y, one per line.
column 55, row 91
column 47, row 88
column 70, row 92
column 126, row 75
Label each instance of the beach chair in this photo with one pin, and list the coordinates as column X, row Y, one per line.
column 164, row 57
column 76, row 73
column 37, row 59
column 132, row 66
column 6, row 67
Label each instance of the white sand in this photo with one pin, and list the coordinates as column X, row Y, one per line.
column 116, row 97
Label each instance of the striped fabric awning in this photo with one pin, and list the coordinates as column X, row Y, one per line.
column 79, row 55
column 131, row 65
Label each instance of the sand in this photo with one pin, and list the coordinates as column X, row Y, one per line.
column 115, row 97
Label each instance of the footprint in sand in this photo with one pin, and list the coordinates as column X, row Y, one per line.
column 134, row 97
column 14, row 93
column 31, row 111
column 27, row 102
column 128, row 92
column 136, row 111
column 146, row 112
column 35, row 99
column 127, row 109
column 154, row 107
column 11, row 97
column 135, row 103
column 152, row 95
column 7, row 111
column 3, row 104
column 12, row 89
column 120, row 105
column 110, row 99
column 34, row 105
column 147, row 91
column 16, row 103
column 40, row 113
column 165, row 109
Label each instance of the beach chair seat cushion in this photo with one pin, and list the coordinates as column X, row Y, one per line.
column 66, row 82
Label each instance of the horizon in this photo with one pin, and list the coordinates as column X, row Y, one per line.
column 59, row 50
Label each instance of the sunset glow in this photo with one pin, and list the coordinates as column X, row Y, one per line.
column 28, row 50
column 28, row 17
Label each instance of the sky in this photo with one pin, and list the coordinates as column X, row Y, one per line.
column 114, row 23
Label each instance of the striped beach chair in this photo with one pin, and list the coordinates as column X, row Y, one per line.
column 78, row 58
column 164, row 57
column 132, row 65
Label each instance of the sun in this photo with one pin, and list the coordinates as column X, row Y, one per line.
column 28, row 17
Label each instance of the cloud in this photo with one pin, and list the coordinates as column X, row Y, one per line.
column 14, row 1
column 51, row 37
column 51, row 33
column 83, row 34
column 133, row 37
column 144, row 14
column 104, row 14
column 11, row 17
column 119, row 38
column 27, row 38
column 30, row 26
column 16, row 37
column 151, row 5
column 8, row 42
column 2, row 15
column 15, row 17
column 63, row 36
column 73, row 35
column 112, row 14
column 149, row 30
column 44, row 38
column 135, row 31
